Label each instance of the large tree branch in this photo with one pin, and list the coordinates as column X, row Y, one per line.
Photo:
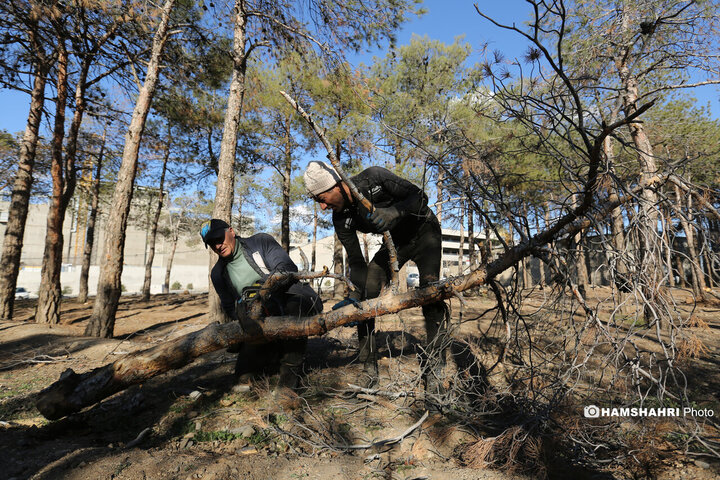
column 73, row 391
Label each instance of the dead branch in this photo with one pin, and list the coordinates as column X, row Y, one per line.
column 383, row 393
column 35, row 360
column 73, row 391
column 389, row 441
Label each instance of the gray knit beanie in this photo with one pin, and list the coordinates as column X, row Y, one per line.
column 320, row 177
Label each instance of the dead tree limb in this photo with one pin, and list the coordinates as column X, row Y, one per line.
column 394, row 266
column 73, row 392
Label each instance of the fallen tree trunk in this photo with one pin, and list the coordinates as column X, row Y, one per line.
column 73, row 391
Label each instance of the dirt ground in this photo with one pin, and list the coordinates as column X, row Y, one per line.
column 190, row 423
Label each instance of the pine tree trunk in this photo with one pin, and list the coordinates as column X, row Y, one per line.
column 709, row 280
column 287, row 174
column 698, row 282
column 49, row 294
column 90, row 232
column 439, row 209
column 20, row 197
column 228, row 147
column 487, row 247
column 667, row 226
column 461, row 247
column 166, row 284
column 541, row 264
column 650, row 256
column 102, row 321
column 582, row 272
column 527, row 275
column 471, row 237
column 154, row 224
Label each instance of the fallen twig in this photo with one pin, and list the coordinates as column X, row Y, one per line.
column 384, row 393
column 141, row 436
column 37, row 359
column 389, row 441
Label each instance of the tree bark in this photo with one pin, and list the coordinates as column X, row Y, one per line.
column 90, row 231
column 102, row 321
column 48, row 305
column 651, row 263
column 73, row 392
column 582, row 273
column 439, row 209
column 166, row 284
column 471, row 236
column 698, row 282
column 228, row 146
column 20, row 197
column 667, row 226
column 287, row 174
column 461, row 247
column 154, row 224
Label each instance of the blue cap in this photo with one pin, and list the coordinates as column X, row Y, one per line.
column 213, row 229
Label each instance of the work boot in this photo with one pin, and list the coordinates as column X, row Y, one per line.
column 367, row 355
column 291, row 360
column 289, row 376
column 284, row 398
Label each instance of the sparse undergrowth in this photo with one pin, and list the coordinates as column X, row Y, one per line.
column 193, row 415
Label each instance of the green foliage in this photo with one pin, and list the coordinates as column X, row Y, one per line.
column 67, row 290
column 189, row 286
column 176, row 286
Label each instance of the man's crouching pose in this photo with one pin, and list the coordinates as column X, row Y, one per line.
column 243, row 266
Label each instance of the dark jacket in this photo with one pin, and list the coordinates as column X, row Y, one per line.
column 383, row 189
column 265, row 256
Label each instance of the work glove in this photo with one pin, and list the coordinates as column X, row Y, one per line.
column 384, row 218
column 344, row 303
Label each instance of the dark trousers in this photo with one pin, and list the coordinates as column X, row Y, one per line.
column 266, row 358
column 425, row 249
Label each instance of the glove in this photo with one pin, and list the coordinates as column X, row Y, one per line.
column 384, row 218
column 344, row 303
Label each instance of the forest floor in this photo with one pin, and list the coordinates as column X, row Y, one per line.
column 190, row 423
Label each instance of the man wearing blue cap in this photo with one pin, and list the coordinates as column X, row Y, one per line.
column 243, row 266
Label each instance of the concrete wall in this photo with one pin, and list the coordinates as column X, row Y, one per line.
column 133, row 277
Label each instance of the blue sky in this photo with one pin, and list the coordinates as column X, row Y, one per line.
column 445, row 20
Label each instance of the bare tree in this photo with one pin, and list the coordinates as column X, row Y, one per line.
column 92, row 218
column 31, row 36
column 102, row 321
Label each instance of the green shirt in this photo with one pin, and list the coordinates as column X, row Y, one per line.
column 240, row 272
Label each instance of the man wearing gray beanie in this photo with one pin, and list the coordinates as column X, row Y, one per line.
column 402, row 209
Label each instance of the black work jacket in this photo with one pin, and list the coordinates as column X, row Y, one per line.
column 383, row 189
